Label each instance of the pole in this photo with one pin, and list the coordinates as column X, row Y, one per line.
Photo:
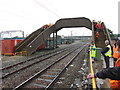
column 53, row 40
column 56, row 39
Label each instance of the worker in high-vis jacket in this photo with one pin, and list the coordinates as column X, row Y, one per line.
column 93, row 51
column 107, row 53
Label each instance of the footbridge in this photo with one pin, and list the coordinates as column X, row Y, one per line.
column 38, row 37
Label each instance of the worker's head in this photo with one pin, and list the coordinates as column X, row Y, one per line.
column 92, row 42
column 118, row 44
column 106, row 42
column 93, row 21
column 114, row 41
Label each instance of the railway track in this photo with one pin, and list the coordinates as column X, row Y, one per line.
column 32, row 58
column 9, row 70
column 48, row 76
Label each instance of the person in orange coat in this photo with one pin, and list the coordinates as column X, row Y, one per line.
column 115, row 50
column 115, row 84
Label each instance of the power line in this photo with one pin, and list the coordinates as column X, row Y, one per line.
column 46, row 8
column 54, row 7
column 51, row 5
column 8, row 12
column 16, row 14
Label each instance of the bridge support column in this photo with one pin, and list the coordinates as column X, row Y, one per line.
column 93, row 32
column 53, row 40
column 56, row 39
column 49, row 42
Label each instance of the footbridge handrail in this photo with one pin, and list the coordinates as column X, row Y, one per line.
column 107, row 33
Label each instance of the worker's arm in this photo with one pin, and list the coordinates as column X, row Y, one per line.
column 104, row 50
column 111, row 73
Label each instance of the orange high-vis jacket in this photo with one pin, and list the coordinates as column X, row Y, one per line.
column 115, row 84
column 115, row 52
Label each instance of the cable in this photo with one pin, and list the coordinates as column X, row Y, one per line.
column 16, row 9
column 46, row 8
column 54, row 7
column 16, row 15
column 51, row 5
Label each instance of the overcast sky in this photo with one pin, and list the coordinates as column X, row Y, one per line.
column 29, row 15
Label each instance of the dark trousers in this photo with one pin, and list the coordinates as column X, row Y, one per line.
column 115, row 59
column 107, row 61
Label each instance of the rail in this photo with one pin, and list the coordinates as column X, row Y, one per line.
column 36, row 62
column 92, row 72
column 20, row 86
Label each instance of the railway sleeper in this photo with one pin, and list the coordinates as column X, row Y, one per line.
column 49, row 75
column 38, row 85
column 42, row 79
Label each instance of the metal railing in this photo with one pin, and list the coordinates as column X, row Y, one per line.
column 92, row 72
column 7, row 54
column 25, row 53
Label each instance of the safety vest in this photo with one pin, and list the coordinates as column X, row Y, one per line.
column 93, row 51
column 109, row 52
column 115, row 84
column 115, row 52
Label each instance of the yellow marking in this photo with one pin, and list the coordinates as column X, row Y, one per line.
column 21, row 53
column 91, row 69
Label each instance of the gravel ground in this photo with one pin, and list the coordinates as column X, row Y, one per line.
column 58, row 66
column 71, row 77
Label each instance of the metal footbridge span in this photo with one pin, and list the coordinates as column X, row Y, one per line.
column 38, row 37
